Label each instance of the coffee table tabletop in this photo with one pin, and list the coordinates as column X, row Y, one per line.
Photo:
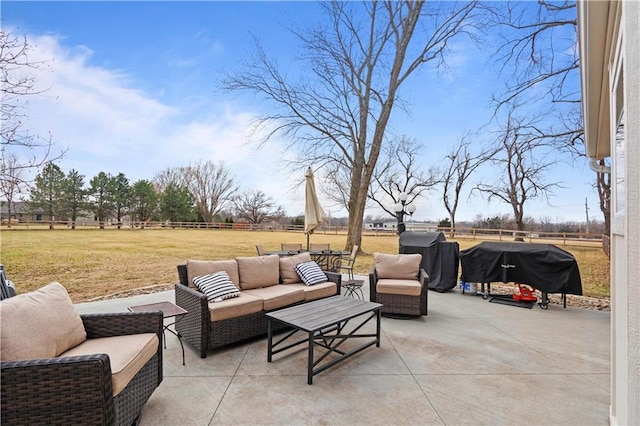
column 325, row 323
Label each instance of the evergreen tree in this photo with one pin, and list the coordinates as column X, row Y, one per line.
column 144, row 200
column 122, row 197
column 46, row 195
column 74, row 196
column 102, row 191
column 177, row 204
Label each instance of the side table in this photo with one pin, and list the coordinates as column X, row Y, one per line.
column 169, row 310
column 353, row 288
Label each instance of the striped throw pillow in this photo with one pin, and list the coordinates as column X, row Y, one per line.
column 310, row 273
column 217, row 286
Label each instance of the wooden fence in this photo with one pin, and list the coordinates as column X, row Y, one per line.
column 562, row 238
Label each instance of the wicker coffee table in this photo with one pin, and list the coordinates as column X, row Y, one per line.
column 324, row 322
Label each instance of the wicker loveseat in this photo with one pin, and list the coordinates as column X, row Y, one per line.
column 265, row 283
column 398, row 282
column 59, row 367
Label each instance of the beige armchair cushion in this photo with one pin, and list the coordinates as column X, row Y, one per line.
column 400, row 287
column 398, row 266
column 288, row 267
column 258, row 271
column 196, row 268
column 127, row 355
column 39, row 324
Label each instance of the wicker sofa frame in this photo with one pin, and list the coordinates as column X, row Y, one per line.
column 78, row 389
column 197, row 329
column 398, row 304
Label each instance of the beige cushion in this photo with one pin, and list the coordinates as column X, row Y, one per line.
column 288, row 264
column 258, row 271
column 39, row 324
column 399, row 266
column 277, row 296
column 245, row 304
column 127, row 355
column 316, row 291
column 403, row 287
column 196, row 268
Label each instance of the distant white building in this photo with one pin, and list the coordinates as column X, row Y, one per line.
column 393, row 226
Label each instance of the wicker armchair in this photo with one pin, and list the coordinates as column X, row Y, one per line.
column 401, row 296
column 78, row 389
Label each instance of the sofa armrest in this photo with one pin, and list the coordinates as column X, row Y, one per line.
column 194, row 326
column 335, row 277
column 373, row 279
column 424, row 295
column 424, row 278
column 60, row 390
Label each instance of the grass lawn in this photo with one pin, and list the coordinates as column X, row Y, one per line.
column 92, row 263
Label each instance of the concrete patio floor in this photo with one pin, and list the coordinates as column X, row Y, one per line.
column 469, row 362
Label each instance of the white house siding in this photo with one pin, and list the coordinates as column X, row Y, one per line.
column 631, row 25
column 610, row 36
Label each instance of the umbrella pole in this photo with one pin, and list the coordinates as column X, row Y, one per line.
column 308, row 242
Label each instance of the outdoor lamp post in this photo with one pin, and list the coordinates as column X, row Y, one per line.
column 402, row 208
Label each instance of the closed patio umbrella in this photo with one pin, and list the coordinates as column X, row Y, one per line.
column 313, row 213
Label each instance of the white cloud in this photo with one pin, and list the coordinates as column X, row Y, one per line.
column 109, row 125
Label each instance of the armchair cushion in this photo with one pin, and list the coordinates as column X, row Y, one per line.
column 39, row 324
column 216, row 286
column 127, row 354
column 288, row 267
column 400, row 287
column 196, row 268
column 258, row 271
column 397, row 266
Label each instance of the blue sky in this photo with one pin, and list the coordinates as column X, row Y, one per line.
column 134, row 88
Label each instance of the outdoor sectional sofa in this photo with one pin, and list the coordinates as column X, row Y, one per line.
column 265, row 283
column 59, row 367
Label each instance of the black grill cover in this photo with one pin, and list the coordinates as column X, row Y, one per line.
column 543, row 266
column 440, row 258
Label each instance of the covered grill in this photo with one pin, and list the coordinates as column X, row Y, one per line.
column 440, row 258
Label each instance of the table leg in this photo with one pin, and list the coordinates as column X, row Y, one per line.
column 310, row 360
column 269, row 339
column 378, row 329
column 175, row 333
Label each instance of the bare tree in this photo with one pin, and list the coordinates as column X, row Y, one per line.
column 336, row 182
column 523, row 157
column 398, row 172
column 340, row 107
column 460, row 163
column 212, row 186
column 178, row 176
column 11, row 184
column 255, row 206
column 539, row 48
column 17, row 85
